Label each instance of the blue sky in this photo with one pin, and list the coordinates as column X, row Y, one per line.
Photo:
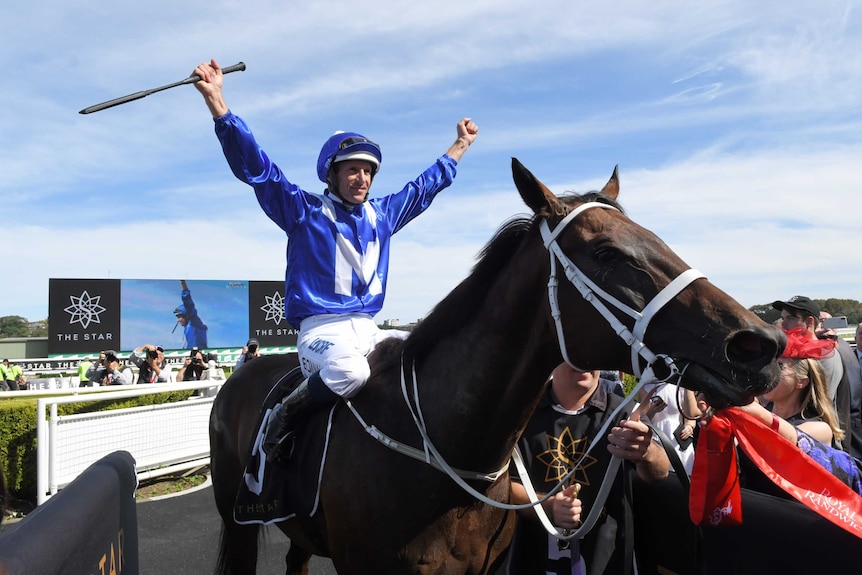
column 737, row 127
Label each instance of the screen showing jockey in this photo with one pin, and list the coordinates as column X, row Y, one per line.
column 194, row 329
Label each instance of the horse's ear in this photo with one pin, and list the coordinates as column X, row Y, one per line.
column 533, row 192
column 612, row 188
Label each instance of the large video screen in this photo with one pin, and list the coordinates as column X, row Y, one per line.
column 87, row 315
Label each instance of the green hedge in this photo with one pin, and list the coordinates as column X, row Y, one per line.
column 18, row 433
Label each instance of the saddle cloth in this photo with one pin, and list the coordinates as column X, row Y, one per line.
column 274, row 491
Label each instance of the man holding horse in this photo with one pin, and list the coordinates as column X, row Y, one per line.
column 573, row 410
column 338, row 249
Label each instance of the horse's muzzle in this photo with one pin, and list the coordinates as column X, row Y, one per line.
column 749, row 369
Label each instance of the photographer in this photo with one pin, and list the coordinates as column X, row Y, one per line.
column 249, row 352
column 193, row 366
column 109, row 371
column 151, row 363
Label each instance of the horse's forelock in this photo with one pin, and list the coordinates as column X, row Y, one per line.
column 571, row 200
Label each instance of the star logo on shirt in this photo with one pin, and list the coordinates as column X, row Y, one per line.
column 562, row 454
column 274, row 308
column 85, row 309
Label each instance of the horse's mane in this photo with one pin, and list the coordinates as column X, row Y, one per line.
column 456, row 309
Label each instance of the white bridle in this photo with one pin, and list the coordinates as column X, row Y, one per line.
column 597, row 297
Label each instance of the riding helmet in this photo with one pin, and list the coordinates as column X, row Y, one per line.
column 343, row 146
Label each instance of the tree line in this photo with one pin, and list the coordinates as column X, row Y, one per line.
column 837, row 307
column 17, row 326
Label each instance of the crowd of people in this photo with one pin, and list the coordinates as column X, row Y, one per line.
column 145, row 364
column 815, row 406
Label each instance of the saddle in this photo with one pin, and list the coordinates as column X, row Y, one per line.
column 274, row 491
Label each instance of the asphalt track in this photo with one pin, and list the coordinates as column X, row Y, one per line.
column 179, row 534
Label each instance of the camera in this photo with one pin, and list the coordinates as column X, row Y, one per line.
column 152, row 354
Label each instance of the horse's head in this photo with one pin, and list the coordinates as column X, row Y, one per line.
column 616, row 278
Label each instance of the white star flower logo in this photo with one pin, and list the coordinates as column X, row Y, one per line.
column 274, row 308
column 84, row 309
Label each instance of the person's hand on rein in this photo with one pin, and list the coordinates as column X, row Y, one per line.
column 564, row 508
column 630, row 440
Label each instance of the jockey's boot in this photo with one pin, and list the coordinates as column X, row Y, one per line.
column 283, row 424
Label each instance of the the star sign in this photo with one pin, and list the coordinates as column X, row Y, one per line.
column 84, row 309
column 274, row 308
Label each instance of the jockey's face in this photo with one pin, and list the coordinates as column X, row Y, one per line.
column 353, row 178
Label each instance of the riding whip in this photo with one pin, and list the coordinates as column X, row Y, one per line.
column 143, row 93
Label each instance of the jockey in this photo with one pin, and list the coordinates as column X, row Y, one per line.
column 194, row 329
column 338, row 249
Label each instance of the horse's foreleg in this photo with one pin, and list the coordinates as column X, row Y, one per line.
column 297, row 560
column 238, row 549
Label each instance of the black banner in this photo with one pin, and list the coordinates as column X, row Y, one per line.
column 91, row 526
column 266, row 320
column 83, row 315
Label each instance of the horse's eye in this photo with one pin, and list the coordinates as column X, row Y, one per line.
column 605, row 254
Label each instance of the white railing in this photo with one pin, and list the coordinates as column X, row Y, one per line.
column 162, row 438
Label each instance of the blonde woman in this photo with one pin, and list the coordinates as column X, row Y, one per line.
column 801, row 399
column 800, row 411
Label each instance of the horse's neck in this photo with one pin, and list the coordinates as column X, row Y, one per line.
column 487, row 377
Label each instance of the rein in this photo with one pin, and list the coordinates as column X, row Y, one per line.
column 428, row 455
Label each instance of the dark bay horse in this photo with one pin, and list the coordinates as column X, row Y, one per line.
column 481, row 360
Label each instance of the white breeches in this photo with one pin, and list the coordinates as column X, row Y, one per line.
column 337, row 346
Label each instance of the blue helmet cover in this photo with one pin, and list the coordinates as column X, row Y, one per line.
column 333, row 148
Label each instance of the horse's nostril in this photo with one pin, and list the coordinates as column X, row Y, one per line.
column 744, row 348
column 752, row 349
